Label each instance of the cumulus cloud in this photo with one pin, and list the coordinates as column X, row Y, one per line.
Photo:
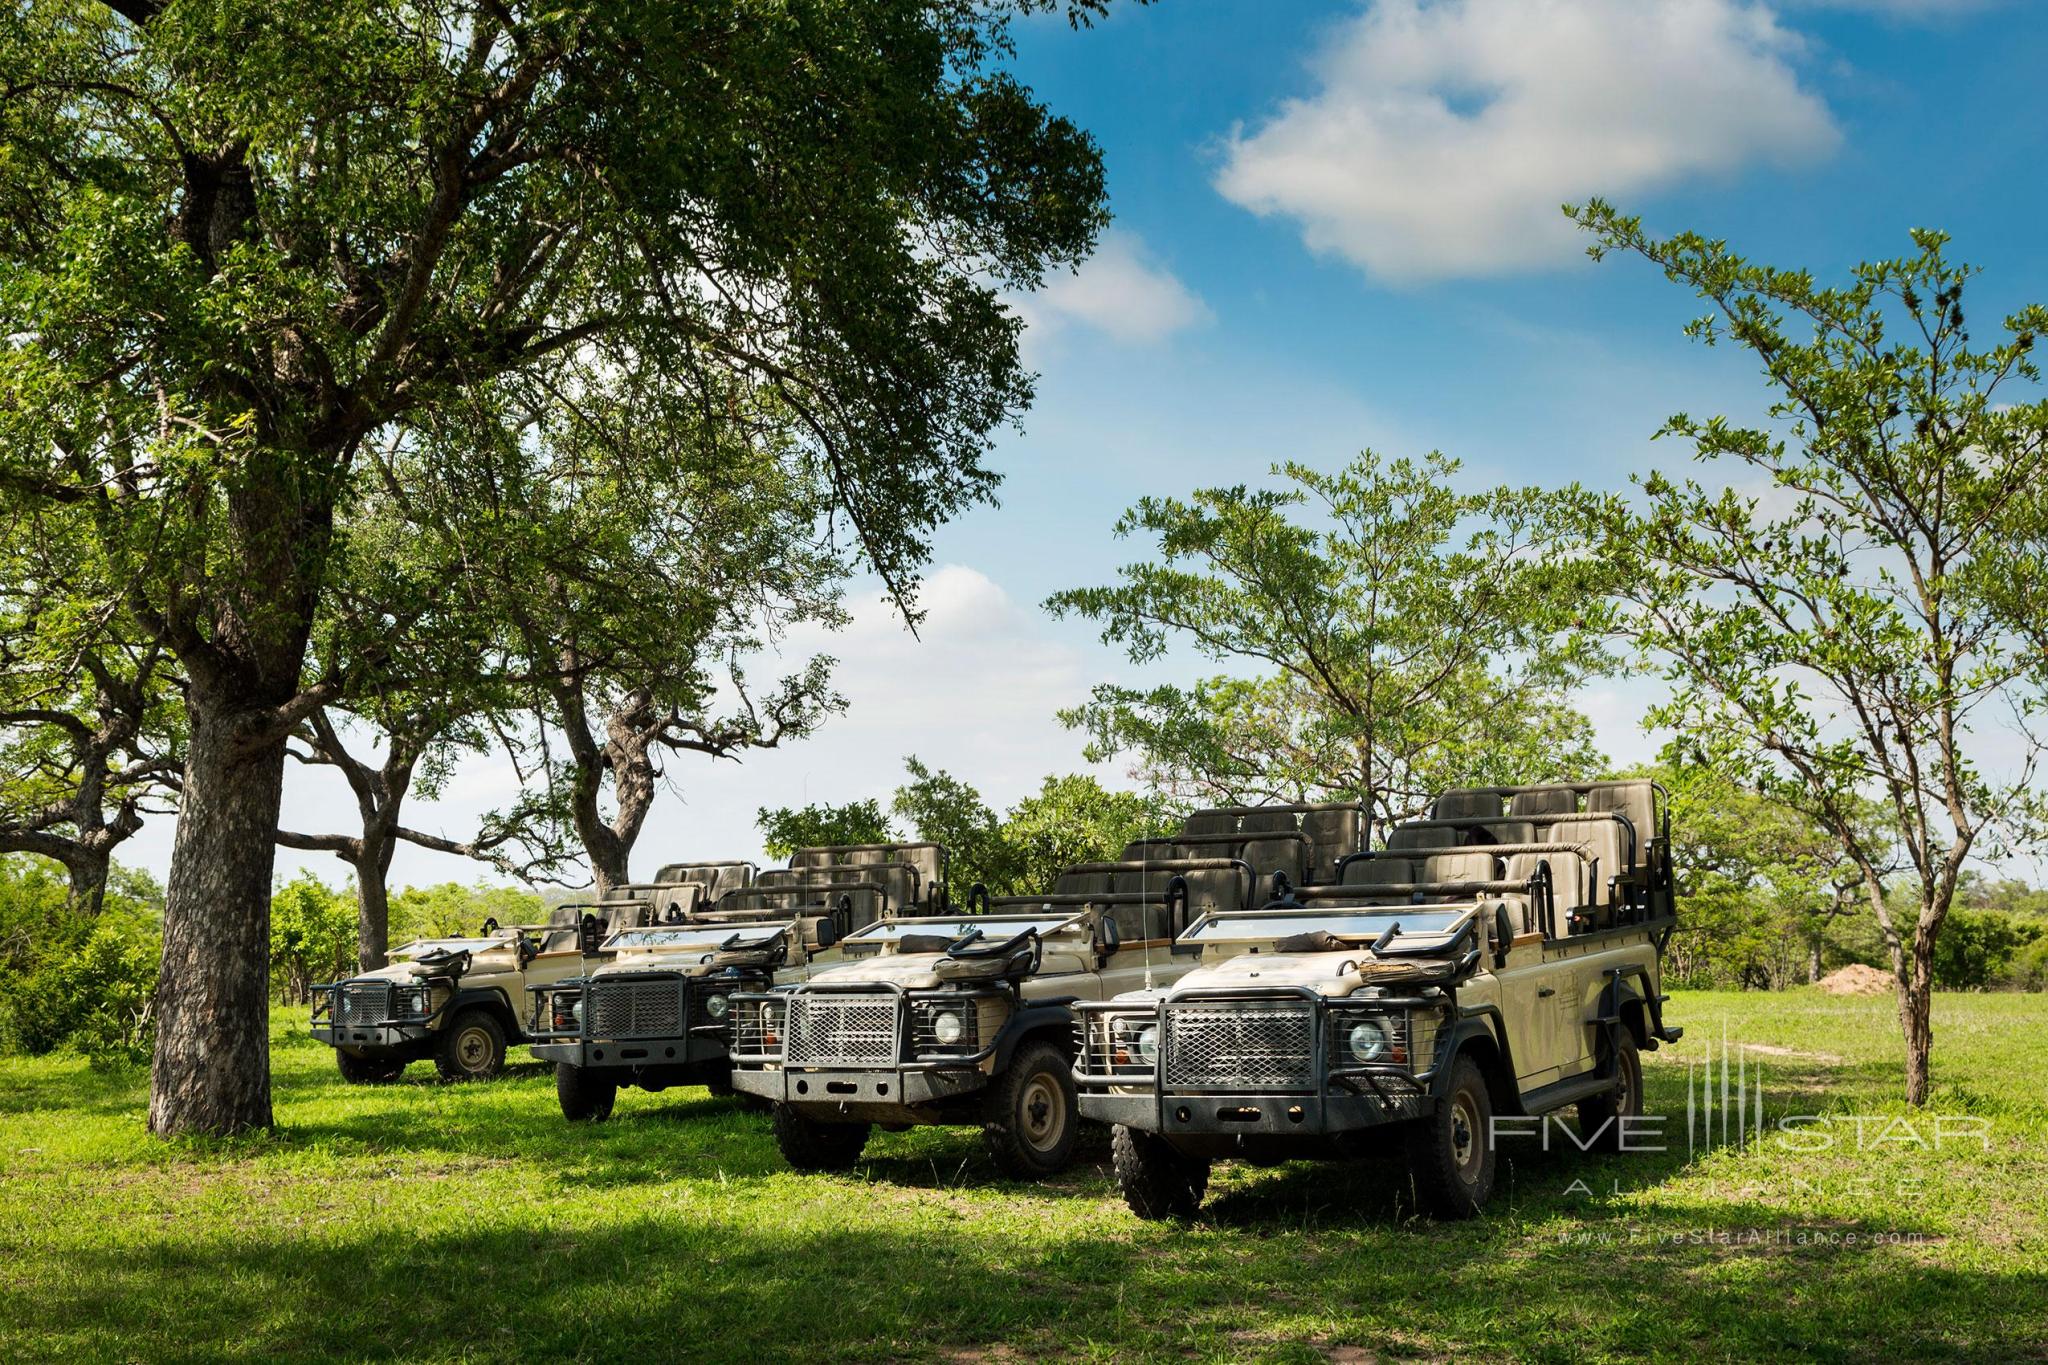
column 1122, row 290
column 1444, row 136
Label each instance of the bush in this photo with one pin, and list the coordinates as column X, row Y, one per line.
column 1979, row 948
column 451, row 909
column 312, row 936
column 67, row 981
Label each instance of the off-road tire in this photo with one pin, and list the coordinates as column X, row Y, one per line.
column 1450, row 1153
column 1157, row 1180
column 585, row 1096
column 808, row 1145
column 359, row 1070
column 1031, row 1119
column 1600, row 1118
column 471, row 1047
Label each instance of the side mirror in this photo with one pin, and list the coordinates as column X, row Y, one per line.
column 1503, row 934
column 490, row 927
column 1108, row 937
column 590, row 933
column 828, row 933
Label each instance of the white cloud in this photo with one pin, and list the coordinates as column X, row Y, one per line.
column 1445, row 136
column 1121, row 290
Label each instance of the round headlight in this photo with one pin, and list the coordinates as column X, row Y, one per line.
column 576, row 1011
column 1367, row 1041
column 716, row 1006
column 1148, row 1044
column 946, row 1027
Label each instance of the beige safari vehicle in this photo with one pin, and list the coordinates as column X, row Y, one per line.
column 1500, row 958
column 968, row 1018
column 656, row 1014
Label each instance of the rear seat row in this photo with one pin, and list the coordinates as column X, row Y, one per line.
column 1306, row 842
column 1136, row 894
column 1568, row 871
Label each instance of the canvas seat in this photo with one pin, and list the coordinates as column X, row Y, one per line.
column 1543, row 801
column 1567, row 882
column 1333, row 836
column 1604, row 839
column 1268, row 822
column 1417, row 837
column 1268, row 856
column 1472, row 866
column 1210, row 822
column 1638, row 802
column 1466, row 805
column 1499, row 832
column 1378, row 871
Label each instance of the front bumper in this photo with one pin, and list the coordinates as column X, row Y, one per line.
column 891, row 1087
column 373, row 1037
column 1214, row 1115
column 632, row 1054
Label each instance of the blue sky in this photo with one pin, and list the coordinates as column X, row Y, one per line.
column 1335, row 228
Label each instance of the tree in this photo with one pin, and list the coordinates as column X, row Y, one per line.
column 1075, row 819
column 249, row 248
column 785, row 829
column 1845, row 632
column 312, row 936
column 1406, row 637
column 938, row 807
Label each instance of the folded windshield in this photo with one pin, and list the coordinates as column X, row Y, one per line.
column 993, row 928
column 702, row 938
column 1364, row 924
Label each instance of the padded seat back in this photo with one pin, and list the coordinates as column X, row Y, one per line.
column 1466, row 805
column 717, row 878
column 1210, row 822
column 1567, row 878
column 1218, row 890
column 1268, row 822
column 1404, row 837
column 1544, row 801
column 1268, row 856
column 1472, row 866
column 1333, row 835
column 1637, row 801
column 1378, row 871
column 1500, row 832
column 1081, row 884
column 1603, row 839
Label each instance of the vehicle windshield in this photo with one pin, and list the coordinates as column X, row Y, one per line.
column 1363, row 923
column 994, row 929
column 707, row 938
column 424, row 946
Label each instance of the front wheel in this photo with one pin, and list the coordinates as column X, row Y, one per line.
column 1602, row 1118
column 1033, row 1116
column 1157, row 1180
column 1451, row 1151
column 809, row 1145
column 471, row 1048
column 585, row 1096
column 357, row 1069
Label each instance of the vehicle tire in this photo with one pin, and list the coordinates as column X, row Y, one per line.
column 809, row 1145
column 357, row 1069
column 1032, row 1117
column 586, row 1097
column 471, row 1047
column 1157, row 1180
column 1451, row 1151
column 1600, row 1117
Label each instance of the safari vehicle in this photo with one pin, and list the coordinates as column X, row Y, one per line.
column 457, row 1000
column 1500, row 958
column 656, row 1014
column 968, row 1019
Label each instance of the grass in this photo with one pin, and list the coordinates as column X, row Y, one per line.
column 443, row 1222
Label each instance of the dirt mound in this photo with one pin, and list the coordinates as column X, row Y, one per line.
column 1856, row 979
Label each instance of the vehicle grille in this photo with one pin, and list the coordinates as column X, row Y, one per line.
column 363, row 1002
column 1107, row 1037
column 842, row 1030
column 1247, row 1044
column 757, row 1028
column 634, row 1009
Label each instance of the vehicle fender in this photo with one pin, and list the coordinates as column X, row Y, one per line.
column 493, row 999
column 1052, row 1018
column 1480, row 1031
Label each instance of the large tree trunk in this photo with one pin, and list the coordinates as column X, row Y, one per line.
column 1916, row 1017
column 212, row 1068
column 373, row 898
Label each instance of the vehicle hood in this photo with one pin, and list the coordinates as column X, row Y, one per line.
column 911, row 971
column 1333, row 975
column 694, row 962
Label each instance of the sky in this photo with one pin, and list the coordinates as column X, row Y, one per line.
column 1337, row 227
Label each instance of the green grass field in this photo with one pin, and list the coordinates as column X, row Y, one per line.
column 428, row 1221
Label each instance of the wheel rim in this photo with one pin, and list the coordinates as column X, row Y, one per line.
column 1042, row 1112
column 1468, row 1149
column 473, row 1050
column 1625, row 1096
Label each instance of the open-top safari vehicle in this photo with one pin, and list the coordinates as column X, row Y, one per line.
column 968, row 1018
column 656, row 1014
column 1501, row 958
column 457, row 999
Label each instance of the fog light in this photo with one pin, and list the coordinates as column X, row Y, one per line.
column 947, row 1028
